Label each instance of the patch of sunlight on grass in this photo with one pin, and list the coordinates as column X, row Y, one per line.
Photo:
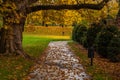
column 49, row 36
column 56, row 37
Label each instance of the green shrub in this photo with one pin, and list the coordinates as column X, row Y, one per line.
column 114, row 48
column 74, row 35
column 92, row 33
column 79, row 34
column 103, row 40
column 84, row 42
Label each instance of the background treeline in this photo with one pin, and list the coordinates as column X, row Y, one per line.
column 104, row 38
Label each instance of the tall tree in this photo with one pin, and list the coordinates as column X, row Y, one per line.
column 14, row 14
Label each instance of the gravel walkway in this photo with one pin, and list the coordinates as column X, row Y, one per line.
column 59, row 64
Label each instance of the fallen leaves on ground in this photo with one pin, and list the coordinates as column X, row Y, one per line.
column 101, row 65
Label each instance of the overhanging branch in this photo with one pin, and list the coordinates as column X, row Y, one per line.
column 70, row 7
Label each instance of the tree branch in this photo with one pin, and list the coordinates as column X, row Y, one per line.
column 70, row 7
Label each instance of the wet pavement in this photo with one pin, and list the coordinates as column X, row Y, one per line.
column 59, row 64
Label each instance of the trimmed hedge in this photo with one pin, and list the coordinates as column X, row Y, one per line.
column 79, row 34
column 74, row 32
column 105, row 39
column 92, row 33
column 102, row 42
column 114, row 48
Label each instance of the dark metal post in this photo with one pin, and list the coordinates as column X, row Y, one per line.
column 91, row 54
column 91, row 61
column 63, row 30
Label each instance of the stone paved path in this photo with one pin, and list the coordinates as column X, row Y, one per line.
column 59, row 64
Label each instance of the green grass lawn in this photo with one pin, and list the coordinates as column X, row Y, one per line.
column 16, row 67
column 35, row 44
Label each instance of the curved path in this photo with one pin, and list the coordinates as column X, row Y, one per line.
column 59, row 64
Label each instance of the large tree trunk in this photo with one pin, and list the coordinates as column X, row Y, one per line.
column 11, row 37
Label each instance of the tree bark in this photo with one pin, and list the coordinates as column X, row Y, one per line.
column 11, row 36
column 2, row 40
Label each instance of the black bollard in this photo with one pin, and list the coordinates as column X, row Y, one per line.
column 91, row 54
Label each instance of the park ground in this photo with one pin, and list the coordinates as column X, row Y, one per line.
column 17, row 68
